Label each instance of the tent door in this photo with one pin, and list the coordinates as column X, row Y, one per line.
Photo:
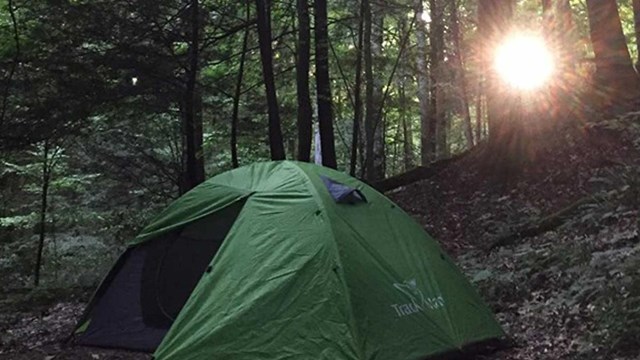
column 145, row 291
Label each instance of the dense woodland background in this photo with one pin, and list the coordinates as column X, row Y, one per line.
column 110, row 109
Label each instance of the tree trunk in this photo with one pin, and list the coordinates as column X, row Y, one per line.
column 369, row 120
column 406, row 119
column 436, row 56
column 407, row 133
column 615, row 76
column 479, row 113
column 462, row 80
column 546, row 6
column 305, row 113
column 194, row 160
column 427, row 138
column 323, row 86
column 503, row 106
column 236, row 97
column 636, row 22
column 379, row 133
column 46, row 177
column 276, row 144
column 357, row 92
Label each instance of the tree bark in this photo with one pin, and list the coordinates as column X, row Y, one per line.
column 479, row 113
column 407, row 133
column 636, row 27
column 406, row 119
column 615, row 76
column 236, row 96
column 46, row 177
column 323, row 86
column 357, row 92
column 305, row 112
column 369, row 120
column 462, row 80
column 427, row 138
column 378, row 163
column 436, row 56
column 276, row 144
column 194, row 160
column 546, row 6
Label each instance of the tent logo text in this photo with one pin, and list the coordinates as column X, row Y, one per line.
column 418, row 301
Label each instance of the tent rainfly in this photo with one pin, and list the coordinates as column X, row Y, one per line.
column 286, row 260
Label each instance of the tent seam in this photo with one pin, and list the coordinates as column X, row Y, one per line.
column 321, row 205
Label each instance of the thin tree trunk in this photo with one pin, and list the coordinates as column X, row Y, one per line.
column 276, row 144
column 194, row 161
column 438, row 121
column 236, row 97
column 479, row 112
column 305, row 113
column 46, row 176
column 407, row 135
column 406, row 126
column 377, row 34
column 636, row 22
column 369, row 120
column 546, row 6
column 466, row 115
column 615, row 76
column 427, row 139
column 357, row 92
column 323, row 86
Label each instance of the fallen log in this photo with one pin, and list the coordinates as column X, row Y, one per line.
column 416, row 174
column 543, row 225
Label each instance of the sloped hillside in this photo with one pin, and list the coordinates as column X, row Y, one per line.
column 556, row 251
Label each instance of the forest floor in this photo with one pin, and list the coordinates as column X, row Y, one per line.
column 572, row 292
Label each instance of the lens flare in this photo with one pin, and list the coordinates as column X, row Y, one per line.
column 524, row 62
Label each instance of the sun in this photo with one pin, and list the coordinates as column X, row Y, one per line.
column 524, row 61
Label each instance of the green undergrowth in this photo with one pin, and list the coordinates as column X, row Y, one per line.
column 574, row 292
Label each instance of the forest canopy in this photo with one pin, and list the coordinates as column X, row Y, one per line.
column 110, row 109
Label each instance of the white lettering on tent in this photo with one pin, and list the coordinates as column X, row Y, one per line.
column 418, row 301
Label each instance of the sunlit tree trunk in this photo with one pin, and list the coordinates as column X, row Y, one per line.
column 636, row 22
column 460, row 71
column 323, row 86
column 305, row 112
column 427, row 141
column 437, row 113
column 276, row 144
column 615, row 76
column 479, row 111
column 546, row 6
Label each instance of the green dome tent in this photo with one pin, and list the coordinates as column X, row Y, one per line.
column 286, row 260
